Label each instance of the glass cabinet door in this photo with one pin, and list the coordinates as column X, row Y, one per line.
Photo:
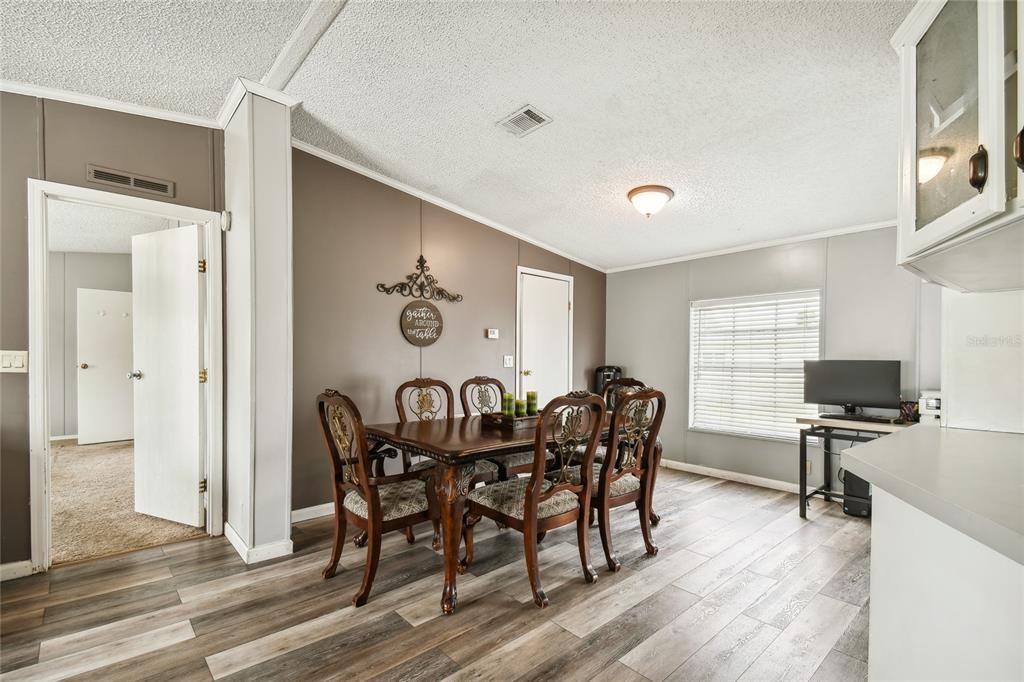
column 954, row 152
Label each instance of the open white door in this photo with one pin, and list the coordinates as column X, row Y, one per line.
column 104, row 336
column 545, row 335
column 167, row 311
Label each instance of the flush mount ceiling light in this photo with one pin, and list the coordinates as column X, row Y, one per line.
column 929, row 163
column 649, row 199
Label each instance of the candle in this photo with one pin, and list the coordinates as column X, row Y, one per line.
column 508, row 405
column 520, row 408
column 531, row 403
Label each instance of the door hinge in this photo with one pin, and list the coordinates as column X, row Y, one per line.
column 202, row 376
column 202, row 486
column 202, row 265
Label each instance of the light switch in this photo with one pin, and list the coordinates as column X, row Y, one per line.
column 508, row 361
column 492, row 333
column 14, row 361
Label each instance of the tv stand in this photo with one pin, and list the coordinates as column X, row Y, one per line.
column 846, row 416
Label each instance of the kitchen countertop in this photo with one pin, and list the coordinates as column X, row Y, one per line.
column 972, row 481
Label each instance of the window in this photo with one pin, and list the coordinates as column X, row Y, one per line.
column 747, row 362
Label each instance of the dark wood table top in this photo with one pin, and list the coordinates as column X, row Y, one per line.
column 453, row 441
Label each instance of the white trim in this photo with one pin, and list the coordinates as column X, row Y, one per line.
column 314, row 23
column 104, row 103
column 437, row 201
column 39, row 192
column 254, row 555
column 57, row 439
column 15, row 569
column 821, row 234
column 316, row 512
column 239, row 89
column 749, row 479
column 523, row 270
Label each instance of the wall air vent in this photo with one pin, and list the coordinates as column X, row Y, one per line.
column 524, row 121
column 125, row 180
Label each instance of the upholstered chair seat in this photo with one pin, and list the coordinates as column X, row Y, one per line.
column 483, row 468
column 396, row 500
column 523, row 459
column 620, row 486
column 509, row 498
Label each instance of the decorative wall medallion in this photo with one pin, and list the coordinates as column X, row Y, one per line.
column 420, row 285
column 421, row 323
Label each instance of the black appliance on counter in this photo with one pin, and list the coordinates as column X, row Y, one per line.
column 604, row 374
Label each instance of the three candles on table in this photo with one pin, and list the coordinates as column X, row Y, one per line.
column 511, row 407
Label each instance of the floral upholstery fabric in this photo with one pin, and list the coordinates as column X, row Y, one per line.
column 621, row 486
column 483, row 467
column 396, row 500
column 509, row 498
column 518, row 460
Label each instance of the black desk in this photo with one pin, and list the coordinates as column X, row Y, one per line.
column 840, row 429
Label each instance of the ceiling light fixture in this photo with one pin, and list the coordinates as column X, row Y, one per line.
column 649, row 199
column 929, row 163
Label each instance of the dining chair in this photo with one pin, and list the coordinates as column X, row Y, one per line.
column 537, row 504
column 375, row 504
column 628, row 478
column 482, row 395
column 426, row 399
column 612, row 393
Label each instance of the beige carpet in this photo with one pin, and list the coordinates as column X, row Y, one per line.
column 92, row 505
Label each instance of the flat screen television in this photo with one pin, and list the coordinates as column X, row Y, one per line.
column 852, row 383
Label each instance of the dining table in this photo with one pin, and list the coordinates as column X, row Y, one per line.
column 455, row 445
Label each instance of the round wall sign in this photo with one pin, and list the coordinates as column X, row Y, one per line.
column 421, row 323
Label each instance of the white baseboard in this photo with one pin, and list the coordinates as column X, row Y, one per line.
column 307, row 513
column 749, row 479
column 15, row 569
column 254, row 555
column 57, row 439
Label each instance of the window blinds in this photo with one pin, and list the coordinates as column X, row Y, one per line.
column 747, row 362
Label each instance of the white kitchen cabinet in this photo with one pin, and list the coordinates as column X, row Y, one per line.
column 960, row 221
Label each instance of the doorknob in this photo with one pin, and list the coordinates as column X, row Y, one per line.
column 135, row 374
column 84, row 365
column 527, row 372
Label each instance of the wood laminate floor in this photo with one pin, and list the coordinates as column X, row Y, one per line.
column 741, row 589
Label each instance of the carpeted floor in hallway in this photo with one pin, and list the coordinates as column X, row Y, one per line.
column 92, row 504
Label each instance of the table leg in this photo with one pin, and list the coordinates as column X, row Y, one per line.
column 452, row 487
column 826, row 446
column 803, row 473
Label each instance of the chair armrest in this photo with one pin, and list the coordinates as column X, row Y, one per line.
column 398, row 478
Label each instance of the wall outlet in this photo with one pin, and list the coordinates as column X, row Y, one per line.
column 508, row 361
column 492, row 333
column 14, row 361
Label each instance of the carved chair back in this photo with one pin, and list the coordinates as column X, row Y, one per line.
column 617, row 387
column 635, row 424
column 424, row 400
column 345, row 436
column 481, row 395
column 572, row 424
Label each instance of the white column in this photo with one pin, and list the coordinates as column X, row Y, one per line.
column 258, row 320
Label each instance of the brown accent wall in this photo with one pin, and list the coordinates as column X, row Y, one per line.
column 54, row 141
column 350, row 233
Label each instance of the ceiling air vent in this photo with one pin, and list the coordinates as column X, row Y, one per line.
column 126, row 180
column 524, row 121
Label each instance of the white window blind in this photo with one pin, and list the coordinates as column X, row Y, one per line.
column 747, row 362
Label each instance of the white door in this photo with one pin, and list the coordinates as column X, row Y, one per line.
column 104, row 337
column 169, row 456
column 545, row 335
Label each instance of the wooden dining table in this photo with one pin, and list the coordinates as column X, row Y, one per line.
column 456, row 445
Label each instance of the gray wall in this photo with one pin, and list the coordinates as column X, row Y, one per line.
column 69, row 272
column 350, row 233
column 54, row 141
column 871, row 309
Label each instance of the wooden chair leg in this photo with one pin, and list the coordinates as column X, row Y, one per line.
column 435, row 542
column 360, row 540
column 410, row 536
column 468, row 521
column 604, row 514
column 372, row 559
column 541, row 535
column 645, row 519
column 583, row 541
column 655, row 518
column 379, row 466
column 340, row 528
column 533, row 564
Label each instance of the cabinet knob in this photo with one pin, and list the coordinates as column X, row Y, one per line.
column 1018, row 149
column 977, row 168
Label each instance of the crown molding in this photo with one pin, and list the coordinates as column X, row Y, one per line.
column 822, row 234
column 243, row 86
column 104, row 103
column 314, row 23
column 430, row 198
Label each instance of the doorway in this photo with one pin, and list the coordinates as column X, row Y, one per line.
column 544, row 334
column 125, row 383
